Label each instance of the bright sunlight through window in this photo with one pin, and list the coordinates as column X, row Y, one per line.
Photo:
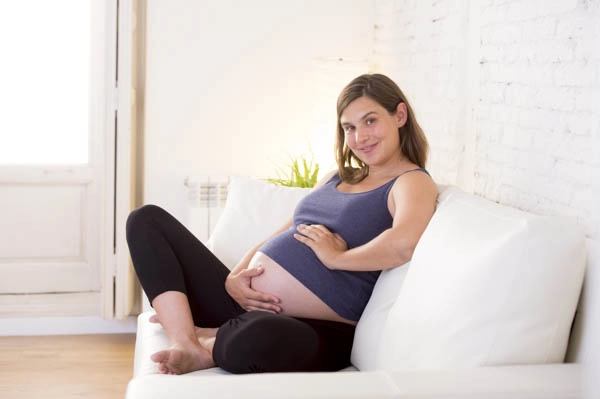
column 44, row 81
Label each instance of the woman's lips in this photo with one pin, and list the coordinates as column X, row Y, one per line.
column 368, row 149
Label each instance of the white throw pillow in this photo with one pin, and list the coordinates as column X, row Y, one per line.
column 370, row 326
column 253, row 211
column 488, row 285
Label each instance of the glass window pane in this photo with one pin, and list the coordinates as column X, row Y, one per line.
column 44, row 81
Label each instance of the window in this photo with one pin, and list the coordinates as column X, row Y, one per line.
column 45, row 81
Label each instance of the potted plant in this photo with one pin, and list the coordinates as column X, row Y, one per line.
column 299, row 172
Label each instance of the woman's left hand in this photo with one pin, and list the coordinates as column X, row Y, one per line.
column 326, row 245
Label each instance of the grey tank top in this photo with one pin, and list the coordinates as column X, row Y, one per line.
column 358, row 218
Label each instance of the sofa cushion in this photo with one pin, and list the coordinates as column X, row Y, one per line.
column 584, row 344
column 322, row 385
column 253, row 211
column 557, row 381
column 548, row 381
column 369, row 328
column 487, row 285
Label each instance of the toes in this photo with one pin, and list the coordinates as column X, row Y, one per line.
column 179, row 361
column 160, row 357
column 163, row 369
column 166, row 360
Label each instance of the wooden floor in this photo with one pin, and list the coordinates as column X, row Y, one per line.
column 65, row 367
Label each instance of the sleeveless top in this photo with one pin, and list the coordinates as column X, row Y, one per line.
column 358, row 218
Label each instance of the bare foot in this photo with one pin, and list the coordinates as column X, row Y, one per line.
column 206, row 339
column 181, row 359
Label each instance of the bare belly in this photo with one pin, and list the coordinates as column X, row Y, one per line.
column 296, row 299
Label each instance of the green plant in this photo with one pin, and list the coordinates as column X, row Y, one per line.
column 301, row 173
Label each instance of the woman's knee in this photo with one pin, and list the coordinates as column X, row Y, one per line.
column 264, row 342
column 138, row 218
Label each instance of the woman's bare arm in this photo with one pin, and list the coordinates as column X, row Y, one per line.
column 412, row 203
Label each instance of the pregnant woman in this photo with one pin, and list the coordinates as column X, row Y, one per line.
column 292, row 302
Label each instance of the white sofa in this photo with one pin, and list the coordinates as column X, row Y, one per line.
column 484, row 310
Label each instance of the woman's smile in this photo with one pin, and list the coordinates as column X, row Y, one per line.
column 368, row 149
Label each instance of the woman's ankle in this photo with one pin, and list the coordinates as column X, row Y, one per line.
column 185, row 341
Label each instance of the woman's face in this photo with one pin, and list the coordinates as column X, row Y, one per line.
column 371, row 132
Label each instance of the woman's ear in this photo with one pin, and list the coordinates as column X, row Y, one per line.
column 401, row 114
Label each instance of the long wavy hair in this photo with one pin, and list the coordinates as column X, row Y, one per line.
column 380, row 88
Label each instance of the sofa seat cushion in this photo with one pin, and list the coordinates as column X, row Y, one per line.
column 347, row 385
column 548, row 381
column 512, row 382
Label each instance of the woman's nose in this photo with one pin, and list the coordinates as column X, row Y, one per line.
column 360, row 135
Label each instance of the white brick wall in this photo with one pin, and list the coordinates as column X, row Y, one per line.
column 508, row 93
column 421, row 46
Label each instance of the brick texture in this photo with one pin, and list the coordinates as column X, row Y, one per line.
column 513, row 86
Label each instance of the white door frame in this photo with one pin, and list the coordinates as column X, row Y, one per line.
column 119, row 291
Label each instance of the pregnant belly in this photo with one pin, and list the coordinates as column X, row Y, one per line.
column 296, row 299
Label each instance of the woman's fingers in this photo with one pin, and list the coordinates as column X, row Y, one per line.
column 305, row 239
column 259, row 305
column 257, row 271
column 239, row 287
column 261, row 296
column 313, row 231
column 253, row 294
column 261, row 300
column 320, row 229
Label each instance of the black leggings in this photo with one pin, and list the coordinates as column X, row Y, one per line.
column 168, row 257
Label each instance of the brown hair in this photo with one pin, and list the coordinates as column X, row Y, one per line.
column 380, row 88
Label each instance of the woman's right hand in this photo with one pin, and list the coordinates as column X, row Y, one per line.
column 238, row 286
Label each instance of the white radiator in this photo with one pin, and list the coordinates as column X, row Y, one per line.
column 206, row 200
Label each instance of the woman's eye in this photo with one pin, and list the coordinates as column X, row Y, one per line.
column 370, row 121
column 348, row 129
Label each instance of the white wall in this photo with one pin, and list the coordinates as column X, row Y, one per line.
column 508, row 93
column 234, row 86
column 422, row 46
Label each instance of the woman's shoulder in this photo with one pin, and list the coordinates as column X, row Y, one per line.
column 415, row 169
column 411, row 191
column 328, row 177
column 414, row 181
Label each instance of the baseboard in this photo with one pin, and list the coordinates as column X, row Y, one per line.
column 65, row 326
